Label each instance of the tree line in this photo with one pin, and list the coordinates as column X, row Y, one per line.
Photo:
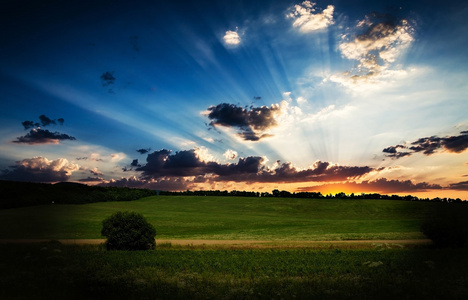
column 287, row 194
column 19, row 194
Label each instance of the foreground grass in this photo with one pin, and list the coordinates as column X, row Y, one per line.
column 229, row 218
column 54, row 271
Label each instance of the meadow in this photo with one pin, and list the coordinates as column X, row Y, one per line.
column 376, row 270
column 228, row 218
column 55, row 271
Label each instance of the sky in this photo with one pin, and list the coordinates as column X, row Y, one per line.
column 318, row 96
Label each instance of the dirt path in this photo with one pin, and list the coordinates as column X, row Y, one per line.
column 234, row 243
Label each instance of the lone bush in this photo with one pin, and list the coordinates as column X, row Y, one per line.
column 445, row 231
column 128, row 231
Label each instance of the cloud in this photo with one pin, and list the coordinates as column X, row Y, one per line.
column 41, row 136
column 307, row 19
column 459, row 186
column 165, row 184
column 301, row 100
column 430, row 145
column 382, row 185
column 29, row 124
column 95, row 172
column 252, row 123
column 93, row 158
column 380, row 41
column 230, row 154
column 91, row 179
column 107, row 78
column 40, row 169
column 37, row 135
column 232, row 38
column 143, row 151
column 135, row 163
column 45, row 121
column 161, row 164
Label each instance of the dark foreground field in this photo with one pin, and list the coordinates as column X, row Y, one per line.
column 381, row 271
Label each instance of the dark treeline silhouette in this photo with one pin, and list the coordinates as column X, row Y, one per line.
column 20, row 194
column 286, row 194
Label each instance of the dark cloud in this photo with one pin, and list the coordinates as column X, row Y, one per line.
column 91, row 179
column 426, row 145
column 95, row 172
column 107, row 78
column 41, row 136
column 37, row 135
column 40, row 169
column 456, row 144
column 459, row 186
column 430, row 145
column 250, row 169
column 135, row 163
column 87, row 158
column 143, row 151
column 164, row 184
column 30, row 124
column 252, row 122
column 46, row 121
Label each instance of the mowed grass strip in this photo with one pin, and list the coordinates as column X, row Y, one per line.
column 227, row 218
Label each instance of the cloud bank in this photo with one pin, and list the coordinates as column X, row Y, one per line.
column 430, row 145
column 40, row 169
column 164, row 164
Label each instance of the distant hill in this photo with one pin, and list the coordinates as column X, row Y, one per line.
column 20, row 194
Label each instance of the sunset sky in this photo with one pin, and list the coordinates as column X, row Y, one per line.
column 329, row 96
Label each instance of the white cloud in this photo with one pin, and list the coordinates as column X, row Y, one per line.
column 230, row 154
column 232, row 38
column 376, row 50
column 287, row 96
column 203, row 154
column 41, row 169
column 307, row 20
column 301, row 100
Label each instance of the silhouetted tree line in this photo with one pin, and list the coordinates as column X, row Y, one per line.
column 20, row 194
column 286, row 194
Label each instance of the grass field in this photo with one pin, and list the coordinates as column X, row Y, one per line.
column 54, row 271
column 279, row 269
column 228, row 218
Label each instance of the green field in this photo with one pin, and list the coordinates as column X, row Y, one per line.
column 54, row 271
column 275, row 271
column 228, row 218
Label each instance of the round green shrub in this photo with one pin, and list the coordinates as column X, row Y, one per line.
column 128, row 231
column 445, row 232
